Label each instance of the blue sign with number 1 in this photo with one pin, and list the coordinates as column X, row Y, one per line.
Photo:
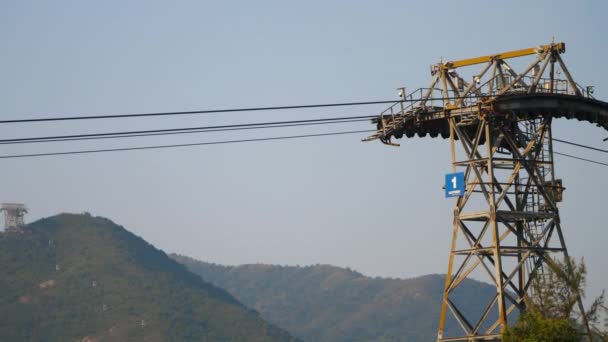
column 454, row 184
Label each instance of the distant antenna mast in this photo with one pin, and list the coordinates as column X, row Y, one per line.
column 13, row 215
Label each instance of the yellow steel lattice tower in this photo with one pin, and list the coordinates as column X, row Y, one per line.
column 506, row 224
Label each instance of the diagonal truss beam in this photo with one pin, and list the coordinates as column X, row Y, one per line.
column 533, row 248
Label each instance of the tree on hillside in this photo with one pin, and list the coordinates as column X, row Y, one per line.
column 533, row 327
column 552, row 312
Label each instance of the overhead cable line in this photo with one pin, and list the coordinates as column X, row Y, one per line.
column 213, row 111
column 220, row 142
column 182, row 145
column 580, row 145
column 579, row 158
column 230, row 110
column 178, row 132
column 271, row 124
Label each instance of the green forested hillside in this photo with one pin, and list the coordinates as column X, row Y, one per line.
column 82, row 278
column 326, row 303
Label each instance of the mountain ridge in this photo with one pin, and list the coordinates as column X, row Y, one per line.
column 328, row 303
column 74, row 277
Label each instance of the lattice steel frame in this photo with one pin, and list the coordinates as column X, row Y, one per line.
column 497, row 231
column 500, row 239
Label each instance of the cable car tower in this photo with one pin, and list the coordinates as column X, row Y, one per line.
column 506, row 221
column 13, row 216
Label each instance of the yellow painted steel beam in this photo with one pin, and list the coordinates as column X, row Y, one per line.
column 558, row 47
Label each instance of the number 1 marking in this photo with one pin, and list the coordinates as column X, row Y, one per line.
column 454, row 182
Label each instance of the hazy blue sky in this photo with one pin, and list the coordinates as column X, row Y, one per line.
column 328, row 200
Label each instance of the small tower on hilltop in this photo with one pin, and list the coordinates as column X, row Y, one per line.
column 13, row 216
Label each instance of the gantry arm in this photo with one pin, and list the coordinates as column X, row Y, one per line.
column 558, row 47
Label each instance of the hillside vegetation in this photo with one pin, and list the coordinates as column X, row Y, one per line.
column 82, row 278
column 326, row 303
